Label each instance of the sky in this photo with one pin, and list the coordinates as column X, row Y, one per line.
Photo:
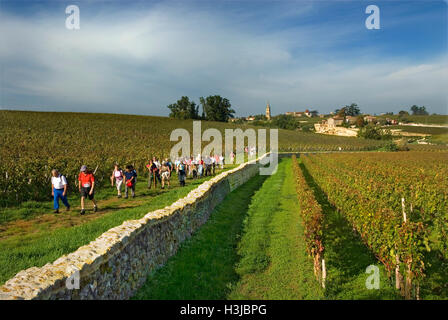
column 138, row 57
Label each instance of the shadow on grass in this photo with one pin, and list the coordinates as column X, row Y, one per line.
column 346, row 256
column 204, row 266
column 435, row 283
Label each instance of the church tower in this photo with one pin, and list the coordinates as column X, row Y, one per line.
column 268, row 111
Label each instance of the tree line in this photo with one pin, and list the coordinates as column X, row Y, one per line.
column 214, row 108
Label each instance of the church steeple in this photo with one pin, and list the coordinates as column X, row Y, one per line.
column 268, row 111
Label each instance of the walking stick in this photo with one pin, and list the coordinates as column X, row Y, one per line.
column 154, row 176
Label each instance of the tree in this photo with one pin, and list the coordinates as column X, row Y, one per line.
column 284, row 121
column 260, row 117
column 341, row 112
column 217, row 108
column 403, row 113
column 375, row 133
column 352, row 110
column 307, row 127
column 314, row 113
column 416, row 110
column 184, row 109
column 360, row 121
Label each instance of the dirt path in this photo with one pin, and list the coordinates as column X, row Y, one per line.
column 50, row 221
column 46, row 220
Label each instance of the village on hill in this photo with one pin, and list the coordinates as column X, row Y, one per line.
column 347, row 121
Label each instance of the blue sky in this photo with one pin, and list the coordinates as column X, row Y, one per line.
column 139, row 57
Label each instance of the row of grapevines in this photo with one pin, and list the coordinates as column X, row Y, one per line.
column 420, row 178
column 395, row 242
column 312, row 217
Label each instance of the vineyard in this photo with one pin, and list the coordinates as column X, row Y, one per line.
column 313, row 229
column 32, row 143
column 397, row 203
column 312, row 217
column 307, row 232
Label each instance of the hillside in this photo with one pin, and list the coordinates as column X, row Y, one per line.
column 32, row 143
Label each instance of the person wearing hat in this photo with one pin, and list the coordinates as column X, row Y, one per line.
column 86, row 182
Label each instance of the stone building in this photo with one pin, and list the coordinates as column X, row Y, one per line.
column 332, row 126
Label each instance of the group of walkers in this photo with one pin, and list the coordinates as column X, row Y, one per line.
column 199, row 167
column 159, row 172
column 86, row 186
column 128, row 177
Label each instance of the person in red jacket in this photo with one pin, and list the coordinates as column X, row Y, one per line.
column 86, row 182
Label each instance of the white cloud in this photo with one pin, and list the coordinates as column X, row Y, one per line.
column 139, row 62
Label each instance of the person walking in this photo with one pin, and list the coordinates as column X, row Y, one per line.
column 194, row 169
column 176, row 165
column 207, row 165
column 135, row 173
column 221, row 161
column 181, row 173
column 232, row 157
column 86, row 183
column 130, row 177
column 213, row 165
column 149, row 166
column 165, row 172
column 200, row 168
column 169, row 164
column 189, row 166
column 118, row 176
column 157, row 171
column 152, row 168
column 59, row 190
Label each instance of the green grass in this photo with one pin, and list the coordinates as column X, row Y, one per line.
column 21, row 252
column 439, row 139
column 203, row 267
column 33, row 209
column 254, row 244
column 435, row 131
column 274, row 231
column 428, row 119
column 346, row 257
column 252, row 248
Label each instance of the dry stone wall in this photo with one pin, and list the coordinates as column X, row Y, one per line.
column 117, row 263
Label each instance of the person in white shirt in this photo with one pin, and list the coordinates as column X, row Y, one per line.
column 118, row 176
column 59, row 190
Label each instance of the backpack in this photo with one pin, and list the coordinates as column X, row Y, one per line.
column 60, row 176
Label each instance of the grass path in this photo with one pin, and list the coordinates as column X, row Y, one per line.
column 251, row 248
column 45, row 237
column 289, row 271
column 346, row 256
column 32, row 216
column 203, row 267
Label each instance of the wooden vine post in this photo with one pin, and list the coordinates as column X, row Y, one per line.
column 154, row 178
column 406, row 290
column 397, row 271
column 403, row 208
column 324, row 273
